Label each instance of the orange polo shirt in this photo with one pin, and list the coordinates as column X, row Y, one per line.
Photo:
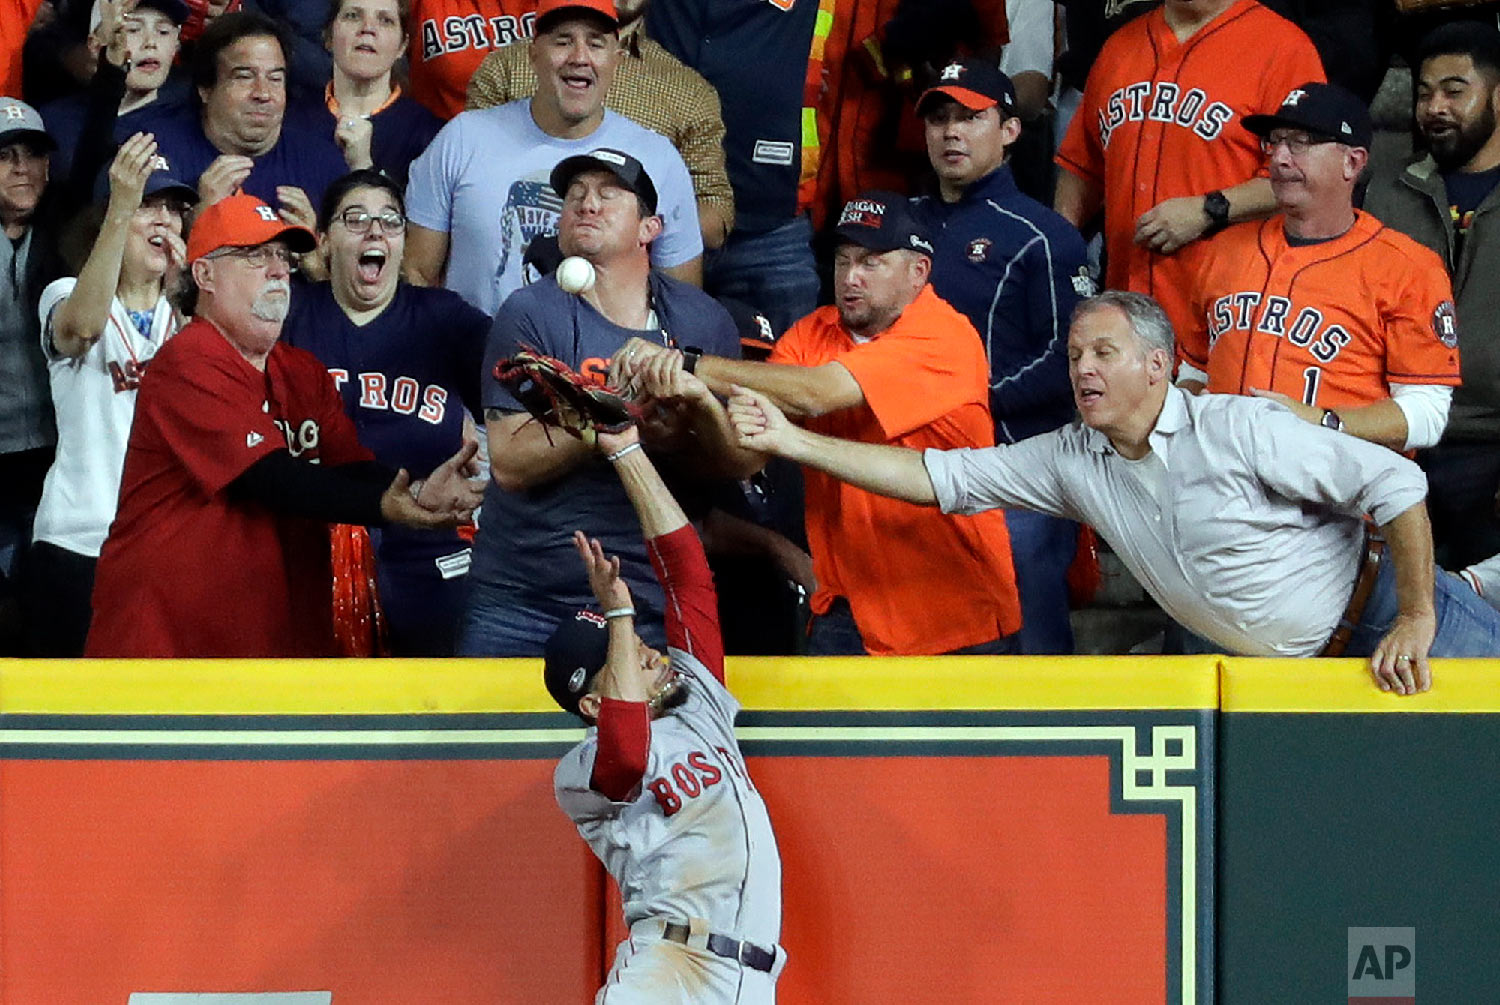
column 918, row 582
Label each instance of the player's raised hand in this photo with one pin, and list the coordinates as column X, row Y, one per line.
column 1171, row 224
column 604, row 572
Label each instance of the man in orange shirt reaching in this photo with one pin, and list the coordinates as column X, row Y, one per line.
column 888, row 362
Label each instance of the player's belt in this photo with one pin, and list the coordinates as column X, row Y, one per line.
column 1364, row 585
column 747, row 953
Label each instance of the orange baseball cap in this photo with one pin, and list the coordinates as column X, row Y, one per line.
column 243, row 221
column 547, row 8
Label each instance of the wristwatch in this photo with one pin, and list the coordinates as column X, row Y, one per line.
column 690, row 356
column 1216, row 207
column 1331, row 421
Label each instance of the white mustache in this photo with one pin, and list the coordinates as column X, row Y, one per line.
column 273, row 301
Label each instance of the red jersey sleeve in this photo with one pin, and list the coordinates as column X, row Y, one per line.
column 692, row 614
column 624, row 748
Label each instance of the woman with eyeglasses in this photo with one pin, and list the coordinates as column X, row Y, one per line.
column 406, row 360
column 371, row 115
column 99, row 331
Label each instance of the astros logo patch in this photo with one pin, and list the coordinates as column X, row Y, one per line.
column 979, row 249
column 1445, row 324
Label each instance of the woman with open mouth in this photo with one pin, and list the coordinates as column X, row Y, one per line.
column 373, row 122
column 99, row 331
column 406, row 360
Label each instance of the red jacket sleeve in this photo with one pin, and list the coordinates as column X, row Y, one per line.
column 692, row 613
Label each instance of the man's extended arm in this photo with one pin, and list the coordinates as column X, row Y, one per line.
column 800, row 391
column 896, row 472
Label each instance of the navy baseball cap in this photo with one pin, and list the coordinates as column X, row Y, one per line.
column 974, row 83
column 576, row 652
column 162, row 183
column 1324, row 109
column 882, row 221
column 19, row 121
column 631, row 172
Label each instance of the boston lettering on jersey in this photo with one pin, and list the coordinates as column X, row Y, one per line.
column 1238, row 311
column 1163, row 101
column 404, row 395
column 689, row 777
column 473, row 31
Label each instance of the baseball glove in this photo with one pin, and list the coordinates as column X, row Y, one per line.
column 559, row 396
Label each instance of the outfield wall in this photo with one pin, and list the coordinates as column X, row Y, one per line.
column 960, row 829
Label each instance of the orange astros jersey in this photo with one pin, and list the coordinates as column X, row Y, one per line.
column 1330, row 324
column 449, row 39
column 1161, row 119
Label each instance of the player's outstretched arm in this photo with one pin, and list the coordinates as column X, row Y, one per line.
column 654, row 505
column 889, row 471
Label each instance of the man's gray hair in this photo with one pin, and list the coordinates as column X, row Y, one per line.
column 1147, row 319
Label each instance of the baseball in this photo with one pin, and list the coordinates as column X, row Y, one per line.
column 575, row 275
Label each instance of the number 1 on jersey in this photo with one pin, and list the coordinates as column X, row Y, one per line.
column 1310, row 378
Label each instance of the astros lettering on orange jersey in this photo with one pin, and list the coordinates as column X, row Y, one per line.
column 1330, row 324
column 1164, row 101
column 1160, row 119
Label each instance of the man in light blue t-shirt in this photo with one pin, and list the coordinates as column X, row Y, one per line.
column 480, row 195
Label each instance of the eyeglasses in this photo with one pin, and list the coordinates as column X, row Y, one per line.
column 359, row 221
column 1297, row 144
column 258, row 257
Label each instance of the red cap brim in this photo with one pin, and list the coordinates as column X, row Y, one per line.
column 972, row 100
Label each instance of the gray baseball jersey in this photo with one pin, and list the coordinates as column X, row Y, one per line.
column 694, row 845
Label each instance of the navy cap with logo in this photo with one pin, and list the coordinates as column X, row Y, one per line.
column 1323, row 109
column 161, row 183
column 576, row 652
column 631, row 172
column 19, row 121
column 974, row 83
column 882, row 221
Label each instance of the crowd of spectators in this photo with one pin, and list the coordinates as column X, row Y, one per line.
column 850, row 208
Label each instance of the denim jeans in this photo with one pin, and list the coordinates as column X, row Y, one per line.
column 1467, row 626
column 772, row 271
column 1041, row 548
column 836, row 634
column 497, row 622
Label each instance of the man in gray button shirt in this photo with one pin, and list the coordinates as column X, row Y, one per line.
column 1244, row 522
